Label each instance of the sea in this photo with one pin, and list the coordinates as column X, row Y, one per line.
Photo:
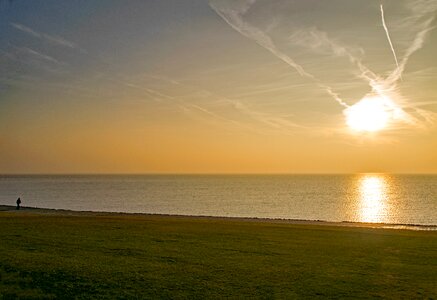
column 375, row 198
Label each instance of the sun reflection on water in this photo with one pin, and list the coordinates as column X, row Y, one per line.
column 373, row 195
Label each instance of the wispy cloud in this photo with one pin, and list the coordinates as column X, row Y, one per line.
column 153, row 93
column 157, row 95
column 180, row 101
column 262, row 117
column 31, row 58
column 420, row 20
column 234, row 17
column 265, row 118
column 417, row 44
column 42, row 55
column 55, row 40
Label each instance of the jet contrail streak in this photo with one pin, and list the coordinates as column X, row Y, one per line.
column 384, row 87
column 417, row 44
column 388, row 37
column 234, row 19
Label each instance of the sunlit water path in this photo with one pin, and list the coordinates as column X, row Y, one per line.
column 379, row 198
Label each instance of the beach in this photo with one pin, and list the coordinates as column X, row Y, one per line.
column 67, row 254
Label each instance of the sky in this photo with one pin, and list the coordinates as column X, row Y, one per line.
column 219, row 86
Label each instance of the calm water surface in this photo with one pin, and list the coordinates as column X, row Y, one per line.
column 402, row 199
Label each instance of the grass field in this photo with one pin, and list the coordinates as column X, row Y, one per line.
column 119, row 256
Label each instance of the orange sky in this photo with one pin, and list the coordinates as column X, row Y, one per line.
column 215, row 87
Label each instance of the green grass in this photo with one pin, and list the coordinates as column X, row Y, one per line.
column 56, row 256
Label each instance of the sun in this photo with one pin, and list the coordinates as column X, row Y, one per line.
column 369, row 114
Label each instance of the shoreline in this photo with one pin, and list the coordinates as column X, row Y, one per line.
column 66, row 212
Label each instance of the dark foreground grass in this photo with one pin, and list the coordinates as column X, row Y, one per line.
column 59, row 256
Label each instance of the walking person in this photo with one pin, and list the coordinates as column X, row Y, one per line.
column 18, row 203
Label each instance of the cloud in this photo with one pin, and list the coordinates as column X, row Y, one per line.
column 32, row 60
column 55, row 40
column 417, row 44
column 41, row 55
column 234, row 17
column 319, row 41
column 419, row 21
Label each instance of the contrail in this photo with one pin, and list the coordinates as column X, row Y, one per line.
column 234, row 19
column 321, row 39
column 417, row 44
column 380, row 85
column 388, row 37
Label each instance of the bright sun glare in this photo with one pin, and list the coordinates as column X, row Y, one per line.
column 369, row 114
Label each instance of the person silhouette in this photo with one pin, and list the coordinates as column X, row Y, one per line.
column 18, row 203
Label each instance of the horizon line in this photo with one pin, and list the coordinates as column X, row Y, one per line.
column 207, row 173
